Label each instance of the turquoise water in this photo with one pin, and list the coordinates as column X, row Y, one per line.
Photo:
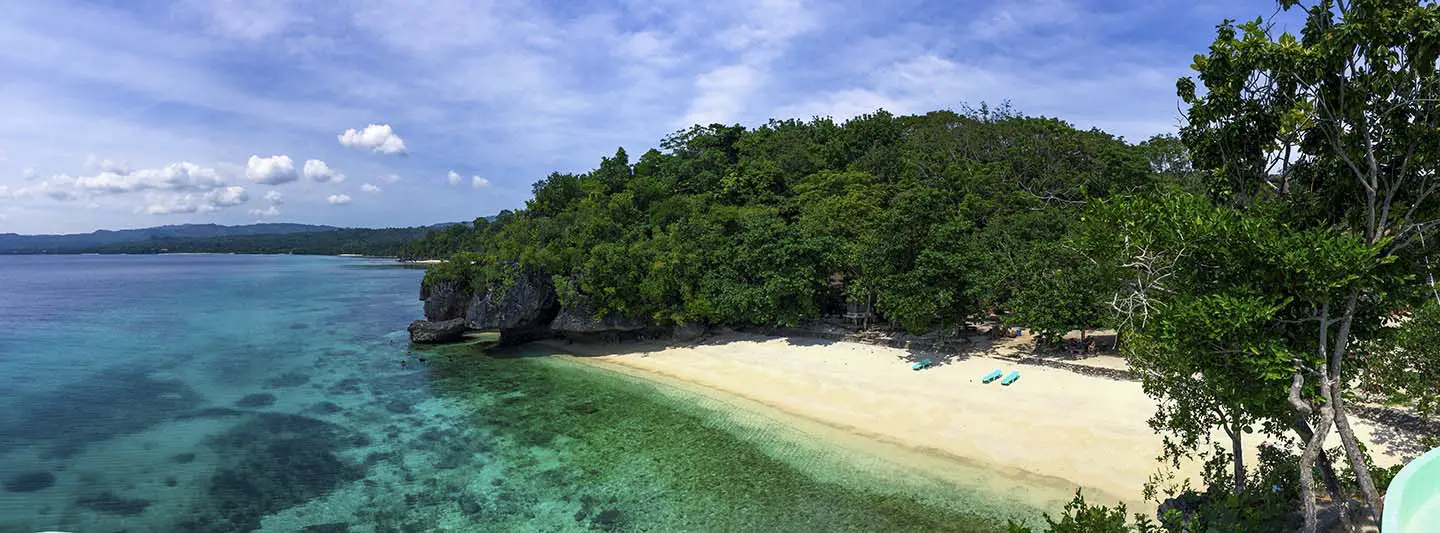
column 279, row 393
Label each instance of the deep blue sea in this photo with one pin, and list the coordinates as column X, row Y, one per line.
column 280, row 393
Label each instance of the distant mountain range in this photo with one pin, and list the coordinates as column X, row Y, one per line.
column 113, row 240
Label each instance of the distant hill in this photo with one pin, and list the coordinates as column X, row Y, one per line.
column 374, row 242
column 11, row 243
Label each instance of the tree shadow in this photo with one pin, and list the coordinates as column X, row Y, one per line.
column 1401, row 443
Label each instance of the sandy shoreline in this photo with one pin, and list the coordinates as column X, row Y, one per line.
column 1051, row 431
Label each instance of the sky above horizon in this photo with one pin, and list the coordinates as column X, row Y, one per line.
column 383, row 113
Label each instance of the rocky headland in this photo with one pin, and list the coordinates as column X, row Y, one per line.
column 528, row 309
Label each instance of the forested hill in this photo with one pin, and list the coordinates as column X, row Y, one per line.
column 1265, row 270
column 933, row 218
column 376, row 242
column 211, row 238
column 14, row 243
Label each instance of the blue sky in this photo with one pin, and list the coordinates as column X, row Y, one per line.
column 393, row 113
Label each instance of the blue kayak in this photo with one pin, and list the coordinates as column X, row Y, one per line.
column 992, row 376
column 922, row 364
column 1014, row 375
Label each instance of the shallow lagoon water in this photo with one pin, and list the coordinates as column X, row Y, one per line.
column 279, row 393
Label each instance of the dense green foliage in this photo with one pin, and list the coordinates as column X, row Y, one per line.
column 376, row 242
column 1253, row 265
column 1254, row 297
column 935, row 219
column 1404, row 366
column 440, row 243
column 1078, row 516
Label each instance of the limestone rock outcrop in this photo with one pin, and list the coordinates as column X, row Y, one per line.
column 432, row 332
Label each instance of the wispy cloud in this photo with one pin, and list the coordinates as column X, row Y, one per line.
column 133, row 104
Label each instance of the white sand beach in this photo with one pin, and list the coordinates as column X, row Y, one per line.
column 1052, row 424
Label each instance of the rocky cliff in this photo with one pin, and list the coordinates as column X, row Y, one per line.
column 444, row 301
column 579, row 322
column 524, row 310
column 521, row 312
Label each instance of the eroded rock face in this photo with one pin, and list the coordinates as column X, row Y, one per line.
column 580, row 318
column 528, row 305
column 444, row 301
column 690, row 331
column 429, row 332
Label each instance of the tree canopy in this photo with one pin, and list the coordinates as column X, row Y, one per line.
column 935, row 218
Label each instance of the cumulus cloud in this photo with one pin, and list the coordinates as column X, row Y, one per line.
column 338, row 199
column 267, row 212
column 390, row 178
column 181, row 176
column 369, row 188
column 454, row 178
column 317, row 171
column 195, row 203
column 227, row 196
column 379, row 138
column 274, row 197
column 273, row 170
column 29, row 174
column 59, row 188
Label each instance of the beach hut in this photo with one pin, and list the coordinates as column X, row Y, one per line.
column 860, row 312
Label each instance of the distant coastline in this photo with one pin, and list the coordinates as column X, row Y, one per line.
column 296, row 239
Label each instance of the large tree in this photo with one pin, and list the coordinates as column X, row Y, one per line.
column 1328, row 143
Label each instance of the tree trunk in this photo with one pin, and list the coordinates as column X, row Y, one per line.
column 1327, row 470
column 1371, row 512
column 1313, row 448
column 1239, row 454
column 1334, row 398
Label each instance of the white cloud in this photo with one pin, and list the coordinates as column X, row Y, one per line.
column 227, row 197
column 107, row 165
column 454, row 178
column 503, row 77
column 379, row 138
column 390, row 178
column 181, row 176
column 29, row 174
column 58, row 188
column 273, row 170
column 647, row 47
column 267, row 212
column 274, row 197
column 369, row 188
column 338, row 199
column 317, row 171
column 195, row 203
column 723, row 95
